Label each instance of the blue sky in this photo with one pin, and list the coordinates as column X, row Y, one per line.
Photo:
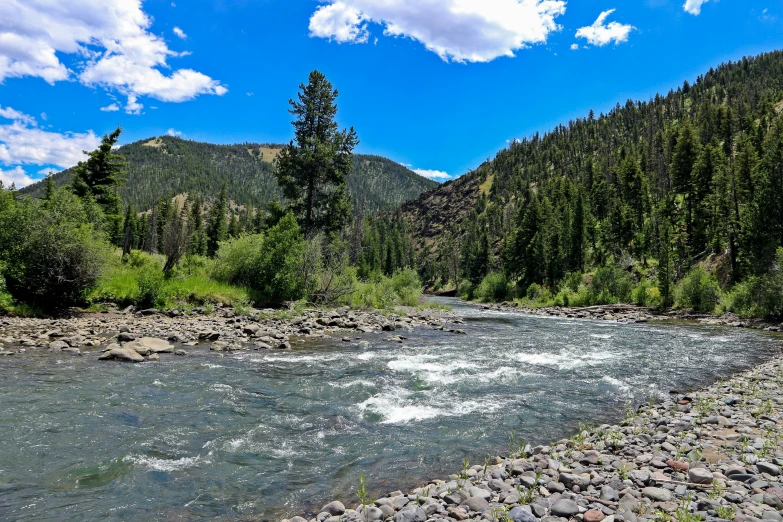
column 439, row 85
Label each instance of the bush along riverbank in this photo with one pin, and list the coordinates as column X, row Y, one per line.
column 144, row 335
column 714, row 454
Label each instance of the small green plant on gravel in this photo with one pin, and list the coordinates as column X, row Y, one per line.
column 242, row 307
column 629, row 413
column 766, row 408
column 661, row 516
column 683, row 513
column 623, row 472
column 726, row 512
column 209, row 308
column 717, row 490
column 769, row 447
column 364, row 496
column 695, row 455
column 681, row 452
column 705, row 406
column 526, row 495
column 465, row 467
column 641, row 509
column 499, row 514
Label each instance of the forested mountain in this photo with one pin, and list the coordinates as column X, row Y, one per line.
column 661, row 184
column 167, row 166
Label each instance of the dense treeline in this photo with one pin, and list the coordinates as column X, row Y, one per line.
column 78, row 244
column 168, row 166
column 653, row 189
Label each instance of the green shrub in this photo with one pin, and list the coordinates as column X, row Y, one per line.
column 150, row 281
column 465, row 290
column 572, row 282
column 756, row 297
column 494, row 287
column 5, row 297
column 269, row 264
column 534, row 292
column 699, row 291
column 53, row 255
column 646, row 294
column 611, row 285
column 403, row 288
column 407, row 287
column 377, row 294
column 236, row 260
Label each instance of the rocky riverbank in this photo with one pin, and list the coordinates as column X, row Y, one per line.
column 637, row 314
column 711, row 455
column 144, row 335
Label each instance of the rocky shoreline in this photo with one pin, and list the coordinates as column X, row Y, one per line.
column 637, row 314
column 710, row 455
column 144, row 335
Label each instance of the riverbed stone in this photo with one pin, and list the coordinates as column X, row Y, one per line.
column 657, row 494
column 565, row 508
column 519, row 514
column 477, row 504
column 58, row 346
column 700, row 476
column 766, row 467
column 411, row 514
column 593, row 515
column 123, row 354
column 335, row 508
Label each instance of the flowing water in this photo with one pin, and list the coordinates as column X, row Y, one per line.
column 261, row 435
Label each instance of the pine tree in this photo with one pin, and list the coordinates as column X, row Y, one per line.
column 198, row 237
column 100, row 178
column 218, row 226
column 313, row 172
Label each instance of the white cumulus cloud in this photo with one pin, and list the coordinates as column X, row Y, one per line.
column 601, row 33
column 16, row 176
column 432, row 174
column 458, row 30
column 694, row 6
column 22, row 142
column 180, row 33
column 111, row 108
column 173, row 132
column 110, row 46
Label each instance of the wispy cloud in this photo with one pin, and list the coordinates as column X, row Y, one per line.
column 16, row 177
column 432, row 174
column 601, row 33
column 455, row 30
column 113, row 47
column 180, row 33
column 22, row 142
column 694, row 6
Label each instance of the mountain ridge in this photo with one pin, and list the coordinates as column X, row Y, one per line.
column 165, row 166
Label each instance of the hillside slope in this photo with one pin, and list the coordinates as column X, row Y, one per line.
column 698, row 162
column 168, row 165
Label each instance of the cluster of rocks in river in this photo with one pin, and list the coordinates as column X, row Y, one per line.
column 144, row 335
column 712, row 455
column 626, row 313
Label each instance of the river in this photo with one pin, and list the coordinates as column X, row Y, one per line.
column 263, row 435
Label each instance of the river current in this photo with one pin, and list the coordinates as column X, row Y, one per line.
column 263, row 435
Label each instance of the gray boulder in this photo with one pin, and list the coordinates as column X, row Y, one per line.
column 477, row 504
column 700, row 476
column 411, row 514
column 518, row 514
column 335, row 508
column 565, row 508
column 660, row 494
